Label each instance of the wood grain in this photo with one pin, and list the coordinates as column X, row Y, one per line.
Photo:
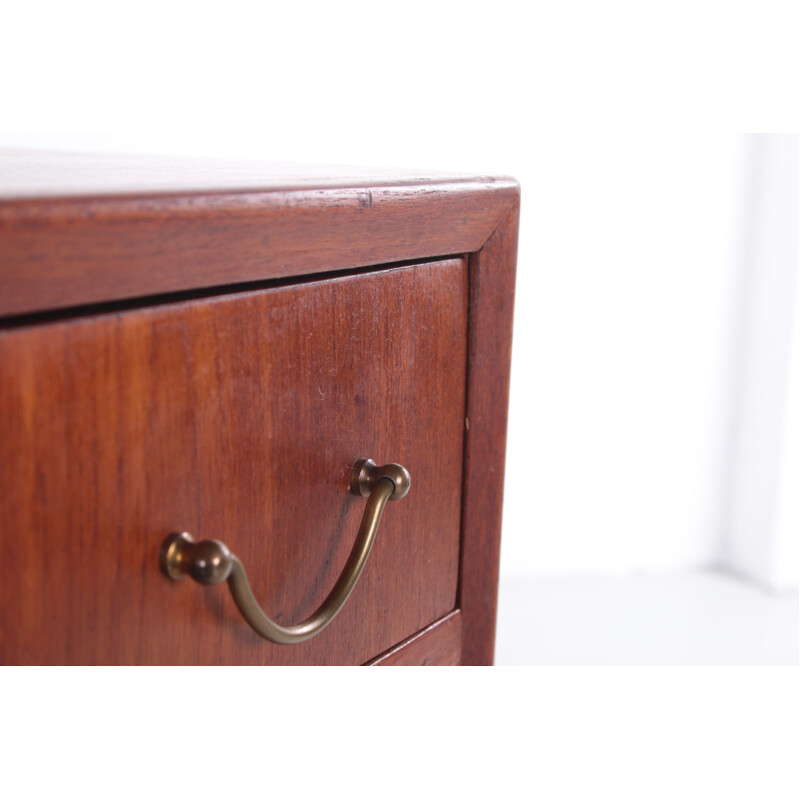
column 238, row 418
column 439, row 645
column 492, row 272
column 60, row 252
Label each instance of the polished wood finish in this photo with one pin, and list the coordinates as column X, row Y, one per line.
column 208, row 347
column 492, row 273
column 205, row 230
column 439, row 645
column 235, row 417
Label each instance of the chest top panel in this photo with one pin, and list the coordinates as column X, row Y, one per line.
column 77, row 230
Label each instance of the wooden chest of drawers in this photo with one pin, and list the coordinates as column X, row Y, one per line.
column 211, row 349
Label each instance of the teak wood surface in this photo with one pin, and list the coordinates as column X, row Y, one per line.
column 118, row 419
column 438, row 645
column 204, row 230
column 235, row 418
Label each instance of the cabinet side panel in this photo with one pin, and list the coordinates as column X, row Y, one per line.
column 491, row 302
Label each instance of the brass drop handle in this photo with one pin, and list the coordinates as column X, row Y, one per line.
column 209, row 562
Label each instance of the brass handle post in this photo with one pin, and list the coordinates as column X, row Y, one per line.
column 209, row 562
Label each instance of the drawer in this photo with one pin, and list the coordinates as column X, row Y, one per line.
column 208, row 348
column 235, row 417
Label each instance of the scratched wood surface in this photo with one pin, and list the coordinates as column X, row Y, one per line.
column 80, row 230
column 234, row 417
column 37, row 174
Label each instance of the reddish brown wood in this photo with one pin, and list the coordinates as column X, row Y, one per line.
column 217, row 227
column 235, row 417
column 117, row 423
column 491, row 298
column 439, row 645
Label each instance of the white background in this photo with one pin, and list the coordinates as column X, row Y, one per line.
column 656, row 293
column 629, row 393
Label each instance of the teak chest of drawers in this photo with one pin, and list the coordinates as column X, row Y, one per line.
column 214, row 349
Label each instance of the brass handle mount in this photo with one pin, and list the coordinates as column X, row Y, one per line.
column 209, row 562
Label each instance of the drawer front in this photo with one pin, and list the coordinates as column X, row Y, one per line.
column 237, row 418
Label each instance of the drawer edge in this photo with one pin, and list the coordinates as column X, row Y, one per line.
column 438, row 645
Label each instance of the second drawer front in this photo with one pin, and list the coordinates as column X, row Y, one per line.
column 237, row 418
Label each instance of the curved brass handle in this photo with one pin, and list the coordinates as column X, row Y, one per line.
column 209, row 562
